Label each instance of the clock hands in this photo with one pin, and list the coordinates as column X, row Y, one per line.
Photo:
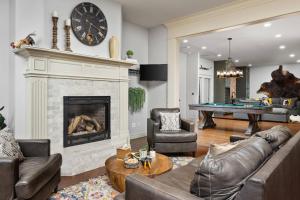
column 99, row 31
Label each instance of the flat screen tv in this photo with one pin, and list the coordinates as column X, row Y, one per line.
column 154, row 72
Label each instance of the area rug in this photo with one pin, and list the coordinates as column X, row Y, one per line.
column 99, row 188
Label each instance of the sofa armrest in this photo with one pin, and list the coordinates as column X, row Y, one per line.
column 187, row 125
column 152, row 128
column 35, row 148
column 140, row 187
column 9, row 175
column 235, row 138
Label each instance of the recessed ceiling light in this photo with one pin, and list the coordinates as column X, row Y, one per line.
column 268, row 24
column 185, row 41
column 298, row 61
column 292, row 55
column 278, row 36
column 249, row 65
column 236, row 61
column 203, row 47
column 188, row 47
column 219, row 55
column 281, row 47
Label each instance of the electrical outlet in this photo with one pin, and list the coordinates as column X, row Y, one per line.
column 133, row 125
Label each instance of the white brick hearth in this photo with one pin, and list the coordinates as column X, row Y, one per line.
column 51, row 75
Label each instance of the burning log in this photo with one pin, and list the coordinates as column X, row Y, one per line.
column 84, row 123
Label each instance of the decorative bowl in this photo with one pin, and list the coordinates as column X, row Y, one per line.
column 131, row 163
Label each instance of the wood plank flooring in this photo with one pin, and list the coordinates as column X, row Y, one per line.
column 224, row 129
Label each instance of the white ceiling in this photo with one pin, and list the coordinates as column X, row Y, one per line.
column 150, row 13
column 253, row 44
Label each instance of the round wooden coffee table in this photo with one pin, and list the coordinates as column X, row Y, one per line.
column 117, row 172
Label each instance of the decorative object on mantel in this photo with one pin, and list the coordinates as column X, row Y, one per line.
column 204, row 68
column 29, row 40
column 67, row 34
column 230, row 70
column 2, row 120
column 54, row 30
column 129, row 53
column 89, row 24
column 136, row 98
column 114, row 47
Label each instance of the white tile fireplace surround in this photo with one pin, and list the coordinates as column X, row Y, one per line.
column 50, row 75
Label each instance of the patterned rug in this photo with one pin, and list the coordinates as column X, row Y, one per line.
column 99, row 188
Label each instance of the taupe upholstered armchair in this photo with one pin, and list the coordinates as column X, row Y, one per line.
column 34, row 178
column 184, row 140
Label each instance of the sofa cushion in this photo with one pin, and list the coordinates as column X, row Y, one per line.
column 222, row 176
column 185, row 174
column 276, row 136
column 9, row 148
column 170, row 121
column 175, row 137
column 289, row 103
column 35, row 172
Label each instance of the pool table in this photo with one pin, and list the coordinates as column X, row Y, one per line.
column 252, row 110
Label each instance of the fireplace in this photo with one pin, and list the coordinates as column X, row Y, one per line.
column 86, row 119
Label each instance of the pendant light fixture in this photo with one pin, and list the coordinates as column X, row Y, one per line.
column 230, row 70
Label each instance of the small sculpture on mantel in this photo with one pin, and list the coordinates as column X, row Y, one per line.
column 29, row 40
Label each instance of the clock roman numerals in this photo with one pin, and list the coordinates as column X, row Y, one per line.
column 101, row 34
column 76, row 20
column 83, row 35
column 78, row 12
column 102, row 27
column 78, row 28
column 101, row 20
column 91, row 9
column 84, row 9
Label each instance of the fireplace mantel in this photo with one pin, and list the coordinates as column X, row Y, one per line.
column 50, row 75
column 52, row 53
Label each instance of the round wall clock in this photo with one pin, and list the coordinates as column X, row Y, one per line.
column 88, row 24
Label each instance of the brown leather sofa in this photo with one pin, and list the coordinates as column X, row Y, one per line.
column 34, row 178
column 277, row 179
column 173, row 142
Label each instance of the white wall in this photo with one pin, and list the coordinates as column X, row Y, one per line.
column 194, row 61
column 35, row 15
column 157, row 55
column 183, row 94
column 260, row 74
column 136, row 38
column 5, row 69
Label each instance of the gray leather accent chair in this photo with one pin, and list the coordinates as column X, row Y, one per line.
column 184, row 140
column 34, row 178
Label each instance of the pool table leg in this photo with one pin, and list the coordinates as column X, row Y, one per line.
column 207, row 121
column 253, row 124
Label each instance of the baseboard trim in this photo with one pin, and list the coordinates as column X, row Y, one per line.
column 136, row 135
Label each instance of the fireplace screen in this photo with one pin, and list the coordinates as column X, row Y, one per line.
column 86, row 119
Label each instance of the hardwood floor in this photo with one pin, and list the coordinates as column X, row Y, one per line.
column 224, row 129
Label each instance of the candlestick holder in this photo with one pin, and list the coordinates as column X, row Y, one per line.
column 68, row 39
column 54, row 33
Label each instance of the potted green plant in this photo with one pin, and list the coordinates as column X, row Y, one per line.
column 2, row 119
column 129, row 53
column 136, row 98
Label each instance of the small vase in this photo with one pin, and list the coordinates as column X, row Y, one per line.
column 114, row 47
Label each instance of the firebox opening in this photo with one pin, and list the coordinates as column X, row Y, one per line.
column 86, row 119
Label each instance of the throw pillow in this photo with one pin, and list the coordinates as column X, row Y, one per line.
column 222, row 176
column 289, row 103
column 276, row 136
column 170, row 121
column 216, row 149
column 9, row 148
